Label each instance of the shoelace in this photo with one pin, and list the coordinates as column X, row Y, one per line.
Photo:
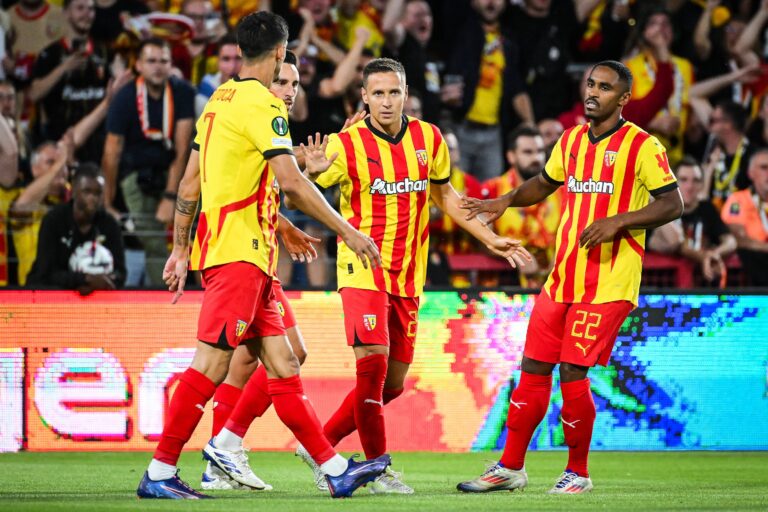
column 490, row 468
column 182, row 483
column 566, row 480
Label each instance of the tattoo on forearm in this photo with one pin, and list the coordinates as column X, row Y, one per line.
column 182, row 235
column 186, row 207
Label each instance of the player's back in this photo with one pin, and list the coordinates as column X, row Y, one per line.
column 242, row 126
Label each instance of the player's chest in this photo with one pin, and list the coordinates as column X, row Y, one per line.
column 391, row 170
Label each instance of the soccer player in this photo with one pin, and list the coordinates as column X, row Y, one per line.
column 242, row 143
column 611, row 168
column 244, row 396
column 388, row 167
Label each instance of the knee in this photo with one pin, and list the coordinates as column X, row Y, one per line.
column 571, row 372
column 371, row 350
column 286, row 368
column 536, row 367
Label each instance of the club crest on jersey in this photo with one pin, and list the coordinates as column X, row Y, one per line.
column 610, row 158
column 404, row 186
column 369, row 321
column 280, row 126
column 589, row 186
column 421, row 156
column 240, row 328
column 281, row 308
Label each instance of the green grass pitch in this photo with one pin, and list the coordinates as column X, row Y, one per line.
column 623, row 481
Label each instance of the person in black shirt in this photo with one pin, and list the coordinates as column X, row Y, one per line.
column 700, row 235
column 70, row 79
column 80, row 246
column 108, row 23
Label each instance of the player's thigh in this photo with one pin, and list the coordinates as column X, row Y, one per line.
column 544, row 337
column 591, row 331
column 212, row 361
column 366, row 314
column 403, row 324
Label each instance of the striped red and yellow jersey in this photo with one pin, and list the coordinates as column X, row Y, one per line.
column 614, row 173
column 242, row 127
column 385, row 185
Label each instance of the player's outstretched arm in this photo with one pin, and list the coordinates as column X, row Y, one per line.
column 531, row 192
column 175, row 271
column 302, row 193
column 665, row 208
column 446, row 198
column 297, row 242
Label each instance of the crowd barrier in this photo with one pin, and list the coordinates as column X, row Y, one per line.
column 95, row 373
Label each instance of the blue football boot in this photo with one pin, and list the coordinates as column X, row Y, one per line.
column 356, row 475
column 173, row 488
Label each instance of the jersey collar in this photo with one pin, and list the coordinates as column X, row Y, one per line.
column 595, row 140
column 392, row 140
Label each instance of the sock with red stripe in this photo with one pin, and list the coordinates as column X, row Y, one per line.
column 224, row 401
column 296, row 412
column 253, row 403
column 578, row 417
column 184, row 413
column 527, row 407
column 369, row 402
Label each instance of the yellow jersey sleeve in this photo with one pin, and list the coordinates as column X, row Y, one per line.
column 653, row 170
column 267, row 128
column 554, row 171
column 440, row 172
column 338, row 168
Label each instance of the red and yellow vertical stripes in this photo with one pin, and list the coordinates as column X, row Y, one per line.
column 601, row 179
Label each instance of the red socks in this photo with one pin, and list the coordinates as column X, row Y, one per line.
column 369, row 401
column 224, row 401
column 578, row 417
column 342, row 423
column 254, row 402
column 527, row 407
column 184, row 413
column 296, row 412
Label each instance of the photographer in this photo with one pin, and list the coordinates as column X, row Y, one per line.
column 149, row 128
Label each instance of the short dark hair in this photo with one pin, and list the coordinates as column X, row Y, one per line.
column 382, row 65
column 259, row 33
column 625, row 75
column 735, row 113
column 290, row 58
column 87, row 170
column 520, row 131
column 153, row 41
column 687, row 161
column 229, row 38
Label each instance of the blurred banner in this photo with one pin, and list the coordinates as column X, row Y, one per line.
column 95, row 373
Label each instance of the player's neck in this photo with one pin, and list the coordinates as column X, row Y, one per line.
column 598, row 127
column 392, row 130
column 264, row 72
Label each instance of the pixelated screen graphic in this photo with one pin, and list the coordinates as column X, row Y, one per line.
column 96, row 373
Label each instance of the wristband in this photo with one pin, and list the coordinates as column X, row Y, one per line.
column 169, row 195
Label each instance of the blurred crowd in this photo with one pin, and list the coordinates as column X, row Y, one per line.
column 98, row 101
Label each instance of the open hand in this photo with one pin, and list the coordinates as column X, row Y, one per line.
column 299, row 244
column 364, row 246
column 356, row 118
column 315, row 160
column 511, row 250
column 494, row 208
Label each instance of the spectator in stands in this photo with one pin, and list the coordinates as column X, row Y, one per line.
column 108, row 22
column 486, row 62
column 651, row 45
column 6, row 63
column 550, row 130
column 149, row 129
column 407, row 41
column 34, row 25
column 229, row 62
column 70, row 79
column 536, row 224
column 413, row 106
column 746, row 213
column 727, row 157
column 9, row 175
column 361, row 13
column 8, row 110
column 545, row 33
column 700, row 235
column 606, row 28
column 196, row 57
column 80, row 245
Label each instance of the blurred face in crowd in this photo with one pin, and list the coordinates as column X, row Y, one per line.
column 348, row 7
column 758, row 173
column 528, row 155
column 453, row 148
column 80, row 15
column 539, row 6
column 229, row 61
column 307, row 70
column 720, row 124
column 659, row 22
column 320, row 9
column 413, row 107
column 604, row 94
column 418, row 21
column 199, row 11
column 489, row 10
column 7, row 101
column 154, row 65
column 690, row 180
column 551, row 130
column 87, row 194
column 353, row 91
column 385, row 95
column 286, row 85
column 42, row 160
column 733, row 31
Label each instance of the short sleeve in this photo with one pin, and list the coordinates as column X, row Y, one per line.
column 267, row 128
column 653, row 168
column 440, row 173
column 120, row 110
column 554, row 171
column 338, row 168
column 184, row 100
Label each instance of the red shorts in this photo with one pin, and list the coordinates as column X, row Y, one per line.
column 580, row 334
column 238, row 305
column 283, row 306
column 378, row 318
